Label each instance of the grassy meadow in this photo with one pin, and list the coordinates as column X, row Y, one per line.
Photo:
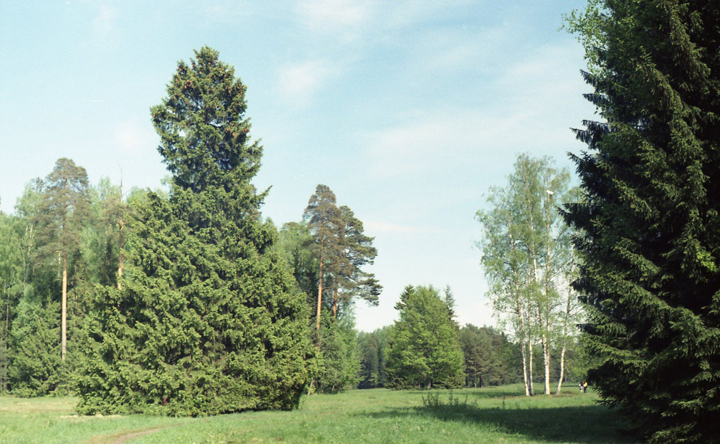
column 488, row 415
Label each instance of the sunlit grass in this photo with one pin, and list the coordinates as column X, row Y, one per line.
column 489, row 415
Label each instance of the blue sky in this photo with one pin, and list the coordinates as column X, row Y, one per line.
column 408, row 110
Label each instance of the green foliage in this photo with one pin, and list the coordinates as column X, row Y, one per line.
column 488, row 359
column 339, row 364
column 63, row 208
column 373, row 356
column 296, row 245
column 424, row 348
column 526, row 256
column 208, row 319
column 650, row 219
column 36, row 368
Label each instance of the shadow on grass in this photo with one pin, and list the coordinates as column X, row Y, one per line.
column 479, row 393
column 592, row 424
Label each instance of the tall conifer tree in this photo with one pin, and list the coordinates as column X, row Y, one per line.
column 650, row 221
column 62, row 213
column 208, row 319
column 326, row 225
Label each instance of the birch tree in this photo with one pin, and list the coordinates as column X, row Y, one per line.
column 525, row 247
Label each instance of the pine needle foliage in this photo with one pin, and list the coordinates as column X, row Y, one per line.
column 649, row 223
column 208, row 319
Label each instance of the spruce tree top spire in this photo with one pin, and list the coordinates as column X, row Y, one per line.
column 203, row 133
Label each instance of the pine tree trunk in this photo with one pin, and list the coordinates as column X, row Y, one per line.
column 120, row 240
column 63, row 347
column 335, row 304
column 320, row 279
column 120, row 251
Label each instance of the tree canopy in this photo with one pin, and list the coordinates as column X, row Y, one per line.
column 424, row 348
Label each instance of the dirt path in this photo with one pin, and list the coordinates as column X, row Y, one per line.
column 121, row 437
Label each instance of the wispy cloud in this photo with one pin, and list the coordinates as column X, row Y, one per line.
column 298, row 83
column 401, row 13
column 104, row 22
column 338, row 17
column 229, row 11
column 538, row 97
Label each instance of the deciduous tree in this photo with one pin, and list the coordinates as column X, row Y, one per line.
column 526, row 249
column 424, row 345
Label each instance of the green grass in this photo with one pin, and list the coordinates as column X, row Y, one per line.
column 489, row 415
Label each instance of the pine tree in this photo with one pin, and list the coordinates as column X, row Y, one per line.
column 327, row 227
column 649, row 224
column 358, row 252
column 208, row 319
column 61, row 215
column 342, row 250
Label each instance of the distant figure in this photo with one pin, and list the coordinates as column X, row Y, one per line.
column 585, row 384
column 580, row 385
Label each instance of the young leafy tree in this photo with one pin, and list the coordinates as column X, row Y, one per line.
column 526, row 249
column 649, row 221
column 61, row 216
column 505, row 264
column 424, row 345
column 208, row 319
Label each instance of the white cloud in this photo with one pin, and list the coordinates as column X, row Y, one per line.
column 402, row 13
column 229, row 11
column 436, row 141
column 298, row 83
column 133, row 137
column 104, row 22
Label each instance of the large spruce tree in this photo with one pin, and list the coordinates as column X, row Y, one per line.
column 650, row 222
column 207, row 319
